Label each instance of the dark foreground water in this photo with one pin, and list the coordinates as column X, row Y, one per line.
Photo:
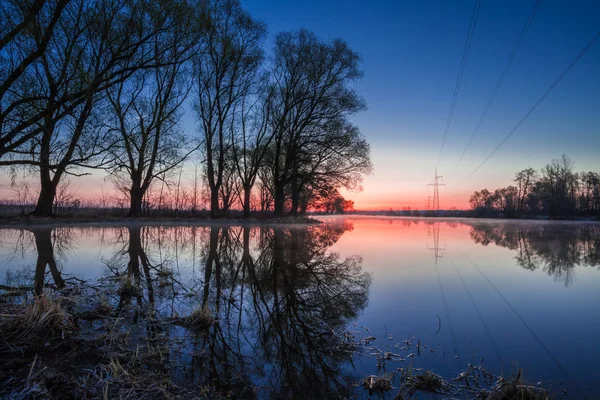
column 308, row 312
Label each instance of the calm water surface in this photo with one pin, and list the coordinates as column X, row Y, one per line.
column 509, row 295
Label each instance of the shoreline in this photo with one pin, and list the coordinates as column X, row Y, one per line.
column 470, row 220
column 33, row 222
column 449, row 215
column 27, row 222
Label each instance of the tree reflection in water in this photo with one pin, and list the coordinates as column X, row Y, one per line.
column 555, row 248
column 283, row 302
column 50, row 246
column 281, row 299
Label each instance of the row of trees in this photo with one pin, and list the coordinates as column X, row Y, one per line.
column 555, row 190
column 116, row 85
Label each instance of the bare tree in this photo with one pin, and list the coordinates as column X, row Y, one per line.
column 149, row 142
column 25, row 33
column 559, row 180
column 95, row 45
column 66, row 200
column 265, row 187
column 311, row 80
column 524, row 180
column 558, row 192
column 224, row 73
column 251, row 136
column 231, row 187
column 335, row 155
column 24, row 197
column 589, row 191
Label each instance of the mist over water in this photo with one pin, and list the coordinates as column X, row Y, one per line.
column 291, row 303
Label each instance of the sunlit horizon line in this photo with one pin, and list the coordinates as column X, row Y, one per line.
column 93, row 196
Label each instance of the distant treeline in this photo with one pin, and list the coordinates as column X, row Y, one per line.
column 556, row 191
column 106, row 84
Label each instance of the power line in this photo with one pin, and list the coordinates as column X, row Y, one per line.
column 437, row 254
column 532, row 109
column 536, row 337
column 515, row 49
column 461, row 71
column 451, row 327
column 485, row 327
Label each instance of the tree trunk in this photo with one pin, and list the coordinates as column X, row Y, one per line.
column 211, row 259
column 135, row 250
column 279, row 199
column 246, row 243
column 214, row 203
column 135, row 201
column 247, row 190
column 45, row 257
column 295, row 198
column 137, row 255
column 304, row 205
column 278, row 251
column 45, row 202
column 49, row 183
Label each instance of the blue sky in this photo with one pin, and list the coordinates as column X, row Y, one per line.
column 411, row 54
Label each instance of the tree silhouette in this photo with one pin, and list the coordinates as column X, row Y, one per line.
column 556, row 249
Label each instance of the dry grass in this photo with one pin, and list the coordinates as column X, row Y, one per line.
column 199, row 319
column 514, row 389
column 378, row 384
column 426, row 381
column 44, row 316
column 123, row 379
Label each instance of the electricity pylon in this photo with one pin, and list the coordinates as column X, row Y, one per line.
column 436, row 192
column 437, row 250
